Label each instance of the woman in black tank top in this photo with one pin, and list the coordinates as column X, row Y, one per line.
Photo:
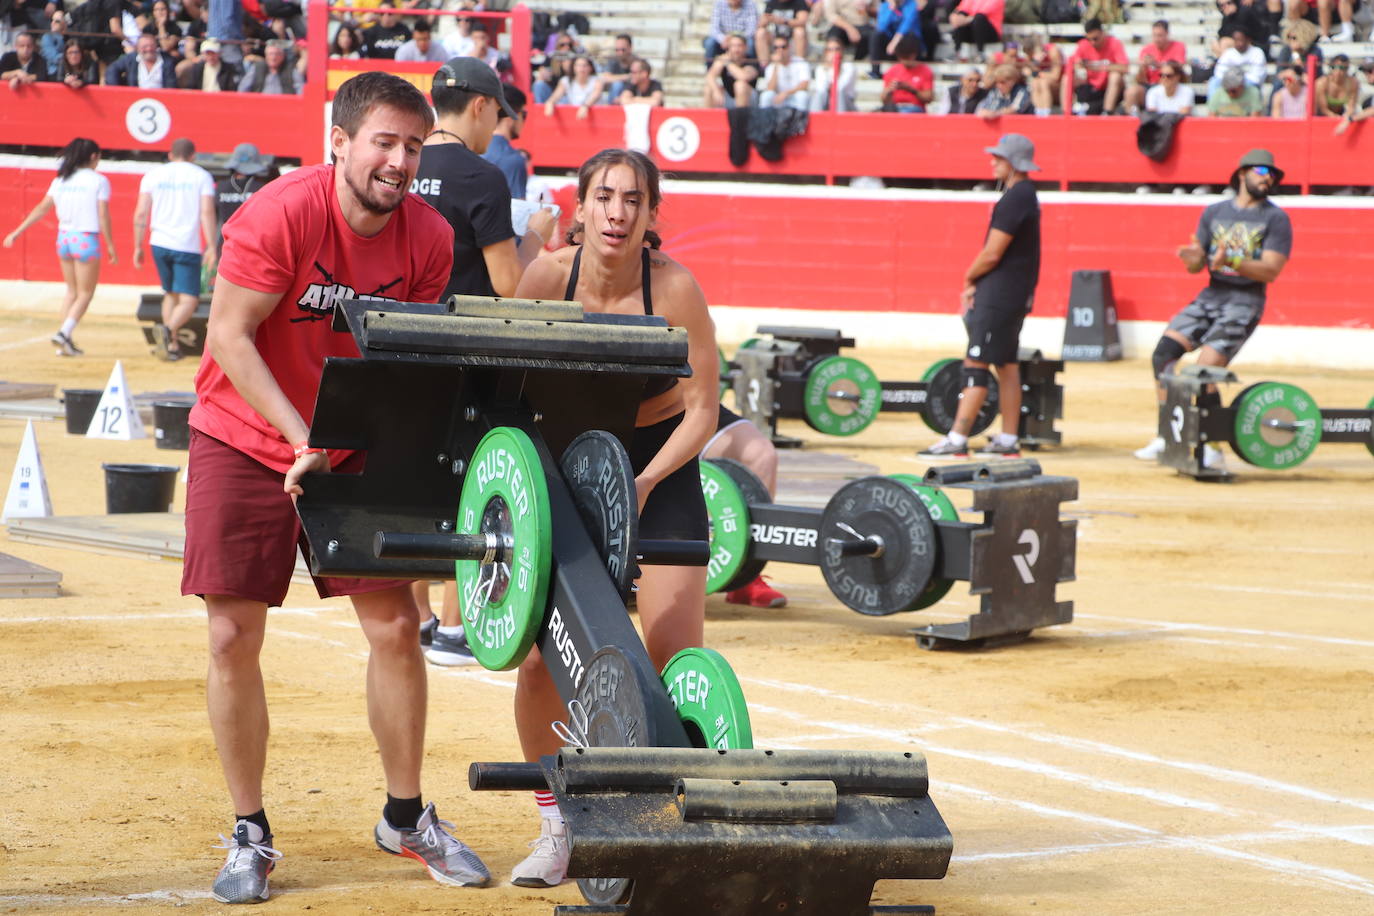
column 618, row 268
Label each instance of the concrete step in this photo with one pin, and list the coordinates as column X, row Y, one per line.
column 636, row 25
column 590, row 8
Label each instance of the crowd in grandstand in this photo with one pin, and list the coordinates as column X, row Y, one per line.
column 804, row 54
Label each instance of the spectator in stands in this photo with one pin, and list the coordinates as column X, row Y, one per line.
column 896, row 20
column 908, row 85
column 825, row 75
column 27, row 14
column 787, row 80
column 1102, row 58
column 1170, row 95
column 618, row 66
column 1346, row 8
column 1239, row 16
column 1234, row 98
column 1008, row 95
column 500, row 153
column 148, row 67
column 458, row 43
column 731, row 17
column 225, row 21
column 1160, row 49
column 1366, row 109
column 482, row 49
column 731, row 78
column 24, row 65
column 382, row 40
column 641, row 88
column 851, row 21
column 1046, row 73
column 1243, row 57
column 271, row 74
column 1299, row 43
column 211, row 73
column 78, row 67
column 784, row 19
column 582, row 89
column 100, row 21
column 965, row 96
column 53, row 42
column 977, row 23
column 1336, row 91
column 1289, row 101
column 422, row 47
column 346, row 44
column 161, row 23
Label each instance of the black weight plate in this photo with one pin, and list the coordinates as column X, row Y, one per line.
column 944, row 382
column 755, row 494
column 602, row 481
column 896, row 579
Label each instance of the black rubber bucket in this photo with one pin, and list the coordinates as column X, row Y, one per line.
column 169, row 424
column 139, row 487
column 81, row 404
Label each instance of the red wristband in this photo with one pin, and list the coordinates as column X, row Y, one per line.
column 304, row 449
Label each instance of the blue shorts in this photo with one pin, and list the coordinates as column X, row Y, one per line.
column 179, row 271
column 78, row 246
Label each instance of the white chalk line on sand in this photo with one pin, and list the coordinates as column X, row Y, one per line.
column 1238, row 631
column 1221, row 774
column 17, row 344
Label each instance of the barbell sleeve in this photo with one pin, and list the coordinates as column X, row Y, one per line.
column 396, row 545
column 506, row 776
column 856, row 547
column 651, row 552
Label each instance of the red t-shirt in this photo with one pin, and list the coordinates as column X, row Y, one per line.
column 291, row 238
column 1113, row 52
column 995, row 10
column 1152, row 57
column 918, row 76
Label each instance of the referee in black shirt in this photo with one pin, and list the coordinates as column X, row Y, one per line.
column 999, row 289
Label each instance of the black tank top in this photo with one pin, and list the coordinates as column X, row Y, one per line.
column 657, row 385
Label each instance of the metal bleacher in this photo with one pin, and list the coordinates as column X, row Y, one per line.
column 669, row 34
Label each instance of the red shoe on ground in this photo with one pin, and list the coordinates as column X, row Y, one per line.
column 757, row 594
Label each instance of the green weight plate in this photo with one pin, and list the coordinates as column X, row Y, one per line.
column 709, row 699
column 944, row 382
column 1276, row 425
column 1370, row 444
column 503, row 602
column 941, row 509
column 749, row 343
column 755, row 494
column 728, row 513
column 841, row 396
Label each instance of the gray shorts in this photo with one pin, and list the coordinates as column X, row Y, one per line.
column 1219, row 319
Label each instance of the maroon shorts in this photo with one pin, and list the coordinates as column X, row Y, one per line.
column 242, row 530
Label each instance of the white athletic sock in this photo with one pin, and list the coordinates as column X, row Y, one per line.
column 68, row 326
column 451, row 632
column 957, row 439
column 1004, row 439
column 548, row 808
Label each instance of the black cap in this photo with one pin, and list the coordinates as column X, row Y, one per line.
column 472, row 75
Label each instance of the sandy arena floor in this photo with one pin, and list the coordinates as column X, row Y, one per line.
column 1199, row 740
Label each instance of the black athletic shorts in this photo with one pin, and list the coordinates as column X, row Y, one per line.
column 675, row 508
column 993, row 334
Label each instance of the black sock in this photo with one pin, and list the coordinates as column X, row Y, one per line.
column 259, row 818
column 403, row 813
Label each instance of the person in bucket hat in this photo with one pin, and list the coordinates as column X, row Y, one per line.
column 999, row 290
column 249, row 170
column 1243, row 243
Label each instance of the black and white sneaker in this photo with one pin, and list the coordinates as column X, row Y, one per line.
column 944, row 449
column 65, row 345
column 243, row 877
column 427, row 630
column 449, row 651
column 995, row 449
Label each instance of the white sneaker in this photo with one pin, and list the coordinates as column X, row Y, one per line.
column 548, row 864
column 1213, row 458
column 1152, row 451
column 1346, row 33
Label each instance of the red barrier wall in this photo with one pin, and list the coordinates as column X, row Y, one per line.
column 890, row 251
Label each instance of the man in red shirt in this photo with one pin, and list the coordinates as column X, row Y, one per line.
column 908, row 85
column 349, row 229
column 1103, row 62
column 1161, row 49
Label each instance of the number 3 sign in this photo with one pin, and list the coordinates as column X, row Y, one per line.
column 678, row 139
column 148, row 120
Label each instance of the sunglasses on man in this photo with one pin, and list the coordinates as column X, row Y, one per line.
column 1262, row 171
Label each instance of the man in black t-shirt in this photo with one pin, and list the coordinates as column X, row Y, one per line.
column 385, row 38
column 641, row 88
column 999, row 290
column 472, row 194
column 249, row 170
column 784, row 19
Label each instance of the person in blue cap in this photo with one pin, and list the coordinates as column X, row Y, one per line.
column 999, row 290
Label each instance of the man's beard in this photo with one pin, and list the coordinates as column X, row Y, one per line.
column 1257, row 191
column 365, row 197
